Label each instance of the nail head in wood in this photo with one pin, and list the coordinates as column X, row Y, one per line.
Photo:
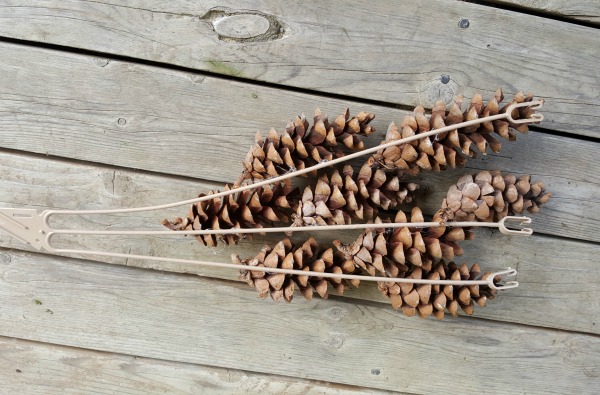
column 463, row 23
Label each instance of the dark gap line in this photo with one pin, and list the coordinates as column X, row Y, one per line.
column 90, row 163
column 559, row 133
column 565, row 238
column 169, row 66
column 241, row 285
column 533, row 12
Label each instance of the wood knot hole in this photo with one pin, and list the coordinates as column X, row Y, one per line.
column 244, row 26
column 241, row 26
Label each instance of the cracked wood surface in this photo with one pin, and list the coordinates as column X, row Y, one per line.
column 557, row 277
column 205, row 321
column 41, row 368
column 384, row 51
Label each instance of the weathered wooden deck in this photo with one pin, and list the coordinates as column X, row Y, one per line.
column 107, row 104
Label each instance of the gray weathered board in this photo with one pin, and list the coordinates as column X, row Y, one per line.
column 388, row 51
column 40, row 368
column 207, row 321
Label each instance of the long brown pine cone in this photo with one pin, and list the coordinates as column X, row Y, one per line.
column 342, row 197
column 412, row 299
column 305, row 257
column 427, row 299
column 490, row 196
column 302, row 145
column 451, row 148
column 248, row 209
column 409, row 254
column 392, row 252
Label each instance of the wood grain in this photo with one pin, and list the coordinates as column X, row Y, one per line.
column 340, row 47
column 37, row 368
column 557, row 276
column 194, row 320
column 585, row 11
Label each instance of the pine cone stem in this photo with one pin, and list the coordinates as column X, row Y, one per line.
column 243, row 176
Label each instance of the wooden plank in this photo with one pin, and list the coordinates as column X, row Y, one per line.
column 193, row 320
column 40, row 368
column 340, row 47
column 143, row 117
column 584, row 11
column 568, row 268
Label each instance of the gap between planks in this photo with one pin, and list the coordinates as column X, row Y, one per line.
column 583, row 13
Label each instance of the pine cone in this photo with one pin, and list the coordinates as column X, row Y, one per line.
column 412, row 299
column 439, row 152
column 421, row 253
column 424, row 154
column 394, row 251
column 487, row 197
column 427, row 299
column 337, row 199
column 305, row 257
column 299, row 147
column 490, row 196
column 248, row 209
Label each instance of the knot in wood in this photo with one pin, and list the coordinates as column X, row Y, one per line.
column 336, row 313
column 244, row 26
column 241, row 26
column 335, row 342
column 5, row 258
